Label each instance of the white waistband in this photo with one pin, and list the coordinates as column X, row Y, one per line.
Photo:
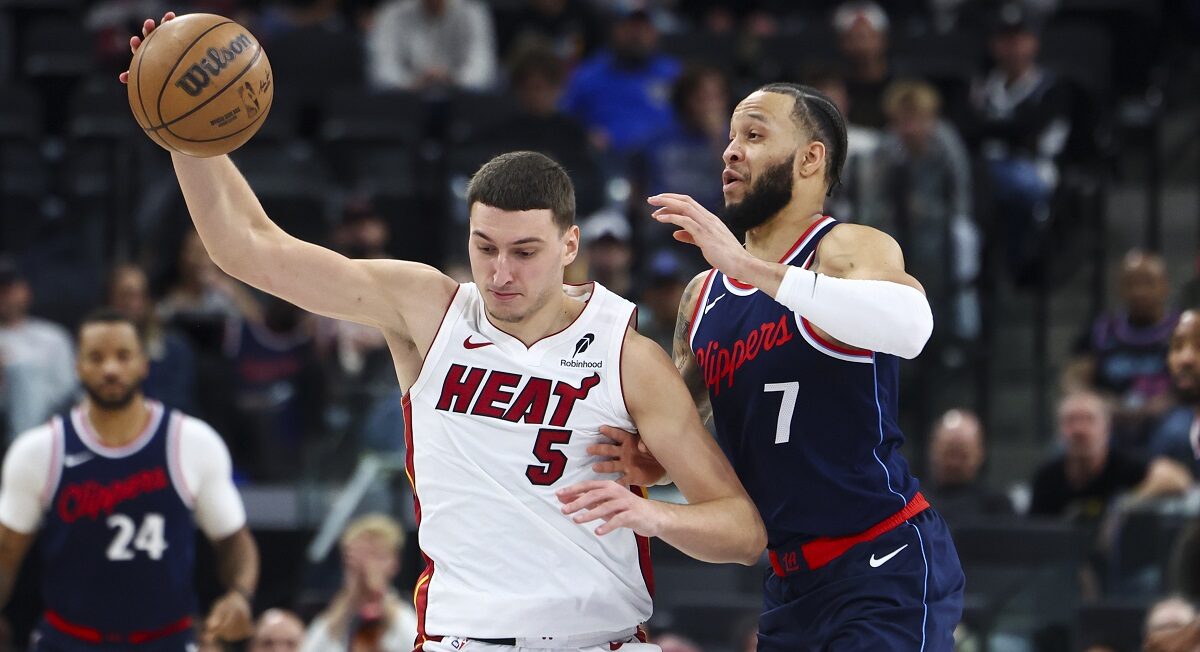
column 575, row 640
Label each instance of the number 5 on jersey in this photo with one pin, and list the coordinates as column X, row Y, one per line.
column 553, row 461
column 149, row 537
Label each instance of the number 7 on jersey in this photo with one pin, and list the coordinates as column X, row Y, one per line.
column 787, row 407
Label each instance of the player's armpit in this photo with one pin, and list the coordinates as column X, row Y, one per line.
column 246, row 244
column 13, row 546
column 719, row 523
column 685, row 361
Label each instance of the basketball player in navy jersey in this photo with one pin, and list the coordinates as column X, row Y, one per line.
column 792, row 345
column 116, row 487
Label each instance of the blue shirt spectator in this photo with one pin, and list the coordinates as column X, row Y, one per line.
column 622, row 94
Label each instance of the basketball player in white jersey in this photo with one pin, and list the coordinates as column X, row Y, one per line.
column 507, row 382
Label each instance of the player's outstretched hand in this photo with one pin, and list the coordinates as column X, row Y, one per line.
column 627, row 455
column 612, row 503
column 698, row 226
column 231, row 619
column 135, row 41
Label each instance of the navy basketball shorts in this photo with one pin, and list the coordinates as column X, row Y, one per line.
column 901, row 591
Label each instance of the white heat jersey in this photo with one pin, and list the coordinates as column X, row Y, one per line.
column 494, row 429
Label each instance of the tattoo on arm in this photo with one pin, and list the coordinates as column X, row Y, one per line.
column 682, row 351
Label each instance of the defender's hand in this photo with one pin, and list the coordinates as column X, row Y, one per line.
column 136, row 42
column 612, row 503
column 698, row 226
column 628, row 456
column 231, row 619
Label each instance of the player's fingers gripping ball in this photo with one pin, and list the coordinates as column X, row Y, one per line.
column 200, row 85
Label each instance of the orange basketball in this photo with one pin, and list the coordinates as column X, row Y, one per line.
column 200, row 85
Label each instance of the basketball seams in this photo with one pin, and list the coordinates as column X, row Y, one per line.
column 142, row 49
column 166, row 124
column 170, row 73
column 262, row 114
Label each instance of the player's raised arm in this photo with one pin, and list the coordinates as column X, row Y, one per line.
column 247, row 245
column 720, row 523
column 858, row 294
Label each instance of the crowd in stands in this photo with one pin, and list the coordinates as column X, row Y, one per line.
column 968, row 132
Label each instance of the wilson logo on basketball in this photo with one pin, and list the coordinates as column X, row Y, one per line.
column 199, row 76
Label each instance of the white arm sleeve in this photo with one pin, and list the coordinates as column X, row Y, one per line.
column 207, row 474
column 876, row 315
column 25, row 484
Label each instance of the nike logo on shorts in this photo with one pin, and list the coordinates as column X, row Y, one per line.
column 876, row 563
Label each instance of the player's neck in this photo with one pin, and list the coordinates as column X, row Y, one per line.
column 772, row 239
column 118, row 427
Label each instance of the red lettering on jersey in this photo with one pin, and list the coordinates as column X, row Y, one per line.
column 531, row 404
column 459, row 390
column 88, row 499
column 567, row 396
column 720, row 364
column 497, row 389
column 461, row 385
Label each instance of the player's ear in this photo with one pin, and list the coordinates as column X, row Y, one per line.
column 810, row 159
column 570, row 245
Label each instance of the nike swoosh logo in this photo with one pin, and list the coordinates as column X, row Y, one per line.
column 714, row 302
column 72, row 461
column 876, row 563
column 474, row 345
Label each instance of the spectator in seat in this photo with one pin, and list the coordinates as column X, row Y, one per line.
column 37, row 357
column 571, row 29
column 172, row 377
column 277, row 630
column 423, row 44
column 956, row 456
column 621, row 94
column 367, row 614
column 1125, row 352
column 922, row 196
column 1080, row 482
column 862, row 30
column 1019, row 123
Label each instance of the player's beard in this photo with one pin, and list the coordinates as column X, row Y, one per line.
column 110, row 402
column 769, row 195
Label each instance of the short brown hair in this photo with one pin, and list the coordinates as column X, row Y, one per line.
column 525, row 181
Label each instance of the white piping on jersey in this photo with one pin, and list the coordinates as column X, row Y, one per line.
column 801, row 323
column 787, row 259
column 698, row 309
column 57, row 451
column 924, row 585
column 174, row 467
column 875, row 451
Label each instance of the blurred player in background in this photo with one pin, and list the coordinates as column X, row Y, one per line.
column 507, row 380
column 116, row 487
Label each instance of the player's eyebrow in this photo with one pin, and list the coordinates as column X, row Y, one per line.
column 529, row 240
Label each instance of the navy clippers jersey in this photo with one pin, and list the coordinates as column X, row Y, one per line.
column 809, row 426
column 118, row 541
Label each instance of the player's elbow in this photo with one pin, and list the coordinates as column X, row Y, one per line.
column 916, row 327
column 755, row 540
